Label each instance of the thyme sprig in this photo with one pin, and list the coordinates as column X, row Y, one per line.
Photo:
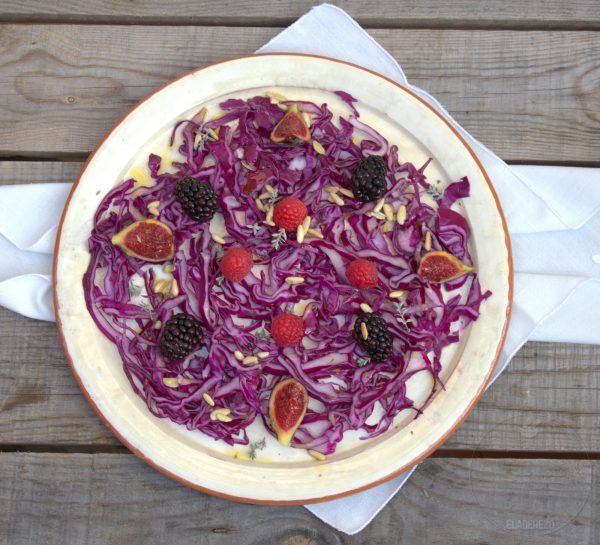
column 256, row 446
column 278, row 238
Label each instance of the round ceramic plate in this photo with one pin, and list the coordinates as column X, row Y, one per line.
column 283, row 475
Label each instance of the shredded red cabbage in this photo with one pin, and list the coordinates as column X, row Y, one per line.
column 334, row 369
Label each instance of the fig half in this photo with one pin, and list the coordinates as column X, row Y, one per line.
column 287, row 407
column 291, row 128
column 439, row 267
column 148, row 240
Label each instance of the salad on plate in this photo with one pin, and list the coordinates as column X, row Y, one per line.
column 289, row 267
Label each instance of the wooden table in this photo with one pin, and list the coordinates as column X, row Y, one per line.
column 523, row 77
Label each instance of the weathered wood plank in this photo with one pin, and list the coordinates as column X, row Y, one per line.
column 527, row 95
column 472, row 13
column 115, row 498
column 40, row 401
column 34, row 172
column 546, row 401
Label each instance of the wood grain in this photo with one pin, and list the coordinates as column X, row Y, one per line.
column 530, row 96
column 546, row 401
column 388, row 13
column 38, row 172
column 100, row 498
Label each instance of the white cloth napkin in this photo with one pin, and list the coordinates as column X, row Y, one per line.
column 552, row 214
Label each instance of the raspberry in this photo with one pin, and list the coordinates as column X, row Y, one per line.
column 289, row 213
column 236, row 264
column 287, row 329
column 362, row 274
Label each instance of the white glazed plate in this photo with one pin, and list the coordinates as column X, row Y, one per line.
column 283, row 475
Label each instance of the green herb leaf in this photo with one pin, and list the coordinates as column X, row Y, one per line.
column 203, row 139
column 361, row 362
column 273, row 197
column 278, row 238
column 402, row 315
column 432, row 190
column 134, row 290
column 258, row 445
column 262, row 334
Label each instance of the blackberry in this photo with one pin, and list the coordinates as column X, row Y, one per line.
column 369, row 180
column 197, row 199
column 179, row 337
column 379, row 341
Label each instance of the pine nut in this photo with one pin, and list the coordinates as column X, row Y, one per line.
column 316, row 455
column 331, row 189
column 224, row 418
column 153, row 208
column 306, row 224
column 262, row 355
column 199, row 117
column 346, row 192
column 377, row 215
column 387, row 227
column 259, row 205
column 315, row 233
column 160, row 285
column 366, row 308
column 157, row 324
column 269, row 188
column 212, row 134
column 364, row 331
column 318, row 147
column 219, row 239
column 401, row 214
column 427, row 243
column 333, row 197
column 300, row 234
column 269, row 217
column 238, row 355
column 248, row 166
column 276, row 96
column 379, row 205
column 208, row 399
column 388, row 211
column 294, row 280
column 174, row 289
column 220, row 412
column 170, row 382
column 169, row 268
column 396, row 294
column 250, row 360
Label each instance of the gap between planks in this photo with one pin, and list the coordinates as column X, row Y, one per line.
column 442, row 453
column 81, row 158
column 366, row 22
